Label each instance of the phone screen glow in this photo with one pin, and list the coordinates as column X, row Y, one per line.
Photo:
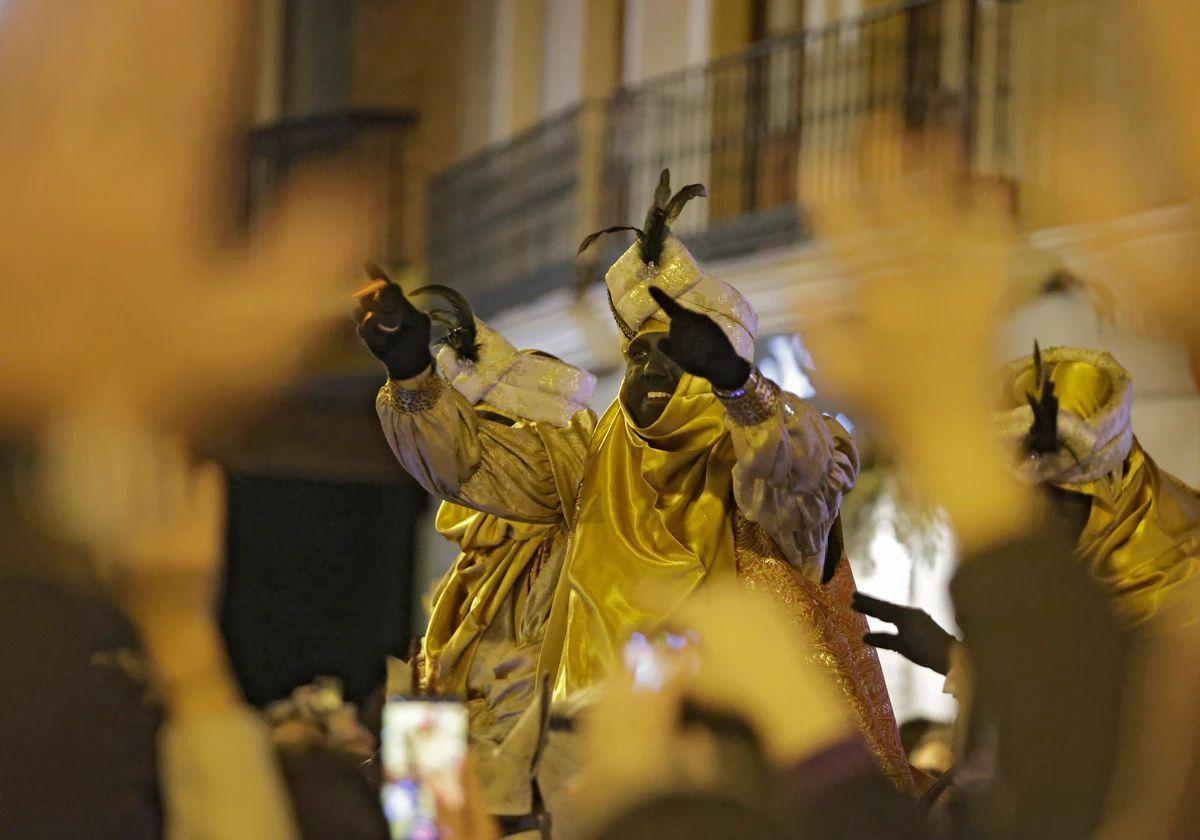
column 424, row 744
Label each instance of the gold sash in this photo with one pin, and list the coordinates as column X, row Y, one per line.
column 655, row 511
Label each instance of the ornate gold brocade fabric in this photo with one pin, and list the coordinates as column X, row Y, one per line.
column 836, row 632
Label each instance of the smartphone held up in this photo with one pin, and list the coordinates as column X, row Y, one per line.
column 424, row 746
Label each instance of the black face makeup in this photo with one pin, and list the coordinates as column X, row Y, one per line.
column 650, row 378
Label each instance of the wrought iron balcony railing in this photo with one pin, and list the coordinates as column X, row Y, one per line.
column 768, row 130
column 371, row 141
column 512, row 212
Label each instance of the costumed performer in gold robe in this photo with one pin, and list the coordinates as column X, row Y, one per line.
column 701, row 469
column 1067, row 417
column 1140, row 536
column 488, row 613
column 1066, row 414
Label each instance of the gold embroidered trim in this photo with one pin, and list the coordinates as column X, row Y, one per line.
column 835, row 634
column 753, row 403
column 629, row 332
column 413, row 400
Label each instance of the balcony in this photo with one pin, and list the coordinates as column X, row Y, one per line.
column 371, row 142
column 506, row 220
column 325, row 427
column 768, row 130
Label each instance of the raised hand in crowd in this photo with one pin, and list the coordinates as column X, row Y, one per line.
column 647, row 760
column 165, row 570
column 773, row 686
column 635, row 747
column 1126, row 189
column 922, row 245
column 468, row 819
column 121, row 271
column 164, row 564
column 642, row 762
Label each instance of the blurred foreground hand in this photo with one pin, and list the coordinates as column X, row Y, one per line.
column 913, row 347
column 164, row 564
column 752, row 664
column 121, row 125
column 217, row 769
column 468, row 819
column 1131, row 186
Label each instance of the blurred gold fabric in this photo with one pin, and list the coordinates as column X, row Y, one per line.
column 1142, row 539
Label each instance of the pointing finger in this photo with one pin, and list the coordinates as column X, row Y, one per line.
column 876, row 608
column 885, row 641
column 669, row 306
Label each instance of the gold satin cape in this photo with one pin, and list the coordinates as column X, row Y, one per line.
column 495, row 555
column 655, row 514
column 1142, row 538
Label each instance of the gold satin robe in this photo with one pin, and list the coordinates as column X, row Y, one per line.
column 1142, row 540
column 484, row 637
column 785, row 479
column 499, row 580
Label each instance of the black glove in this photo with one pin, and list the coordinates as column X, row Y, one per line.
column 920, row 639
column 395, row 331
column 701, row 347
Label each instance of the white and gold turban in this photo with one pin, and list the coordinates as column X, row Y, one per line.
column 680, row 276
column 521, row 383
column 1141, row 541
column 1095, row 396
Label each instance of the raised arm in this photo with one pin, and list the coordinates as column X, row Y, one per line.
column 522, row 471
column 793, row 464
column 526, row 471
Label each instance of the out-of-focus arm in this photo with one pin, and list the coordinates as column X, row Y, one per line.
column 218, row 772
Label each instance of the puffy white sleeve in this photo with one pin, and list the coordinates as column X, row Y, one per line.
column 527, row 472
column 793, row 467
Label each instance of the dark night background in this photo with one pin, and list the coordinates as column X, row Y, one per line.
column 321, row 545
